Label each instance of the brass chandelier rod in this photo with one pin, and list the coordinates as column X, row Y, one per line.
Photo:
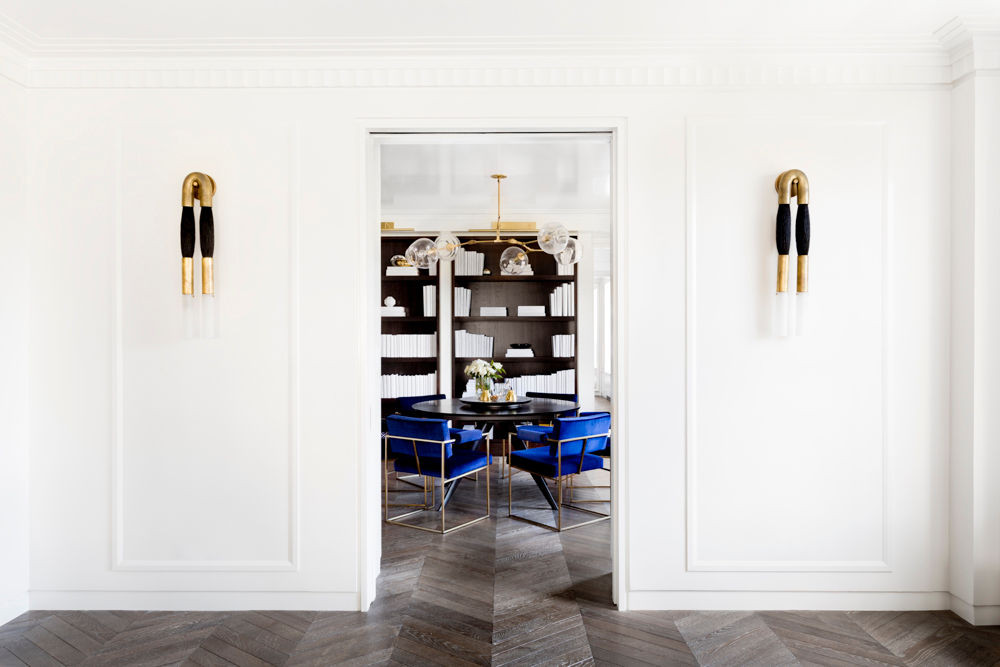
column 498, row 239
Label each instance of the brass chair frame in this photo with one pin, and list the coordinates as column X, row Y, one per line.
column 559, row 484
column 397, row 520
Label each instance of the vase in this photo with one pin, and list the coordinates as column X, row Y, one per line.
column 483, row 389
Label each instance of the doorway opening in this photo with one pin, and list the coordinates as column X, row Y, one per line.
column 549, row 323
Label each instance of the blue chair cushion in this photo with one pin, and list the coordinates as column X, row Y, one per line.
column 466, row 435
column 457, row 464
column 435, row 430
column 533, row 432
column 540, row 462
column 594, row 428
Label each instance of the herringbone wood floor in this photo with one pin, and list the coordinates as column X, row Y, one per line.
column 500, row 592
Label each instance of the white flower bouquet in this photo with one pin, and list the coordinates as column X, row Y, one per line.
column 483, row 372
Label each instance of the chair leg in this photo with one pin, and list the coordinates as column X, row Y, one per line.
column 559, row 484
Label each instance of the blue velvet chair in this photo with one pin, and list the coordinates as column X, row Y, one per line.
column 535, row 434
column 425, row 447
column 572, row 449
column 463, row 436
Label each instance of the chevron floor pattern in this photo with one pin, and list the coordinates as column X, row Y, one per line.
column 500, row 592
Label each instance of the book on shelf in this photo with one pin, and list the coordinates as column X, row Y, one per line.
column 402, row 271
column 473, row 346
column 409, row 345
column 562, row 301
column 515, row 352
column 394, row 385
column 560, row 382
column 469, row 262
column 463, row 301
column 528, row 271
column 531, row 311
column 564, row 345
column 492, row 311
column 393, row 311
column 430, row 300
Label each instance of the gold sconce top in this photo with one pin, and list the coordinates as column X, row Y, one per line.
column 197, row 186
column 792, row 183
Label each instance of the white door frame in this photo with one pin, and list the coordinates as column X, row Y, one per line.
column 369, row 502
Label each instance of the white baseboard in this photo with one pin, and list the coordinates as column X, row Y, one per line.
column 976, row 615
column 788, row 600
column 195, row 600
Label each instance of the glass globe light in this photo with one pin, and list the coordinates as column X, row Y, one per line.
column 446, row 246
column 422, row 253
column 553, row 237
column 570, row 254
column 513, row 260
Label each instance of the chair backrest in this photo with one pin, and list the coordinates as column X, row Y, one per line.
column 558, row 397
column 435, row 430
column 406, row 403
column 570, row 428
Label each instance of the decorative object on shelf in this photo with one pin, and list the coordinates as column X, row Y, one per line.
column 484, row 372
column 399, row 260
column 390, row 309
column 387, row 226
column 792, row 183
column 553, row 238
column 198, row 186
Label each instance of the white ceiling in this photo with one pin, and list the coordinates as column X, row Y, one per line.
column 45, row 23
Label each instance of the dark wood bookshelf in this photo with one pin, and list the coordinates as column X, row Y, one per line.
column 513, row 291
column 512, row 279
column 427, row 280
column 502, row 318
column 408, row 292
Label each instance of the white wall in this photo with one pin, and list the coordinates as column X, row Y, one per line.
column 975, row 463
column 14, row 300
column 805, row 472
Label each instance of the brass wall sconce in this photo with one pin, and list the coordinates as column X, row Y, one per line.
column 201, row 187
column 789, row 184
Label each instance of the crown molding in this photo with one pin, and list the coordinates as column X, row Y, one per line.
column 972, row 45
column 554, row 61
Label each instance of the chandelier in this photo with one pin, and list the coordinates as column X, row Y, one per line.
column 553, row 238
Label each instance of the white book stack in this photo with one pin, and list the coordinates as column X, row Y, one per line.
column 562, row 301
column 469, row 262
column 531, row 311
column 473, row 346
column 564, row 269
column 527, row 271
column 402, row 271
column 393, row 311
column 409, row 345
column 394, row 386
column 560, row 382
column 493, row 311
column 430, row 300
column 564, row 345
column 515, row 352
column 463, row 301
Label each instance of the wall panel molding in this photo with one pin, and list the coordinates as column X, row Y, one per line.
column 118, row 537
column 695, row 562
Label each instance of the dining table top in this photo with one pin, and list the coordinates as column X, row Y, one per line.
column 453, row 408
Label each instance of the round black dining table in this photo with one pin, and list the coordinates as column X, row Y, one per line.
column 455, row 410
